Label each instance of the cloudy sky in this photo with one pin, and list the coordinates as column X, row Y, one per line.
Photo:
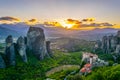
column 104, row 11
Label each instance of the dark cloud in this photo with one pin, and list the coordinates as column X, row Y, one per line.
column 8, row 18
column 88, row 20
column 32, row 20
column 92, row 24
column 97, row 25
column 73, row 21
column 106, row 24
column 57, row 24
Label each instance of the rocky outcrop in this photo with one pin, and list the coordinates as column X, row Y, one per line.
column 97, row 45
column 105, row 44
column 10, row 51
column 48, row 47
column 36, row 42
column 21, row 48
column 113, row 43
column 2, row 63
column 118, row 34
column 117, row 51
column 110, row 44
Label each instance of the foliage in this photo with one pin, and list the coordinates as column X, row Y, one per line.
column 76, row 77
column 101, row 73
column 106, row 73
column 36, row 69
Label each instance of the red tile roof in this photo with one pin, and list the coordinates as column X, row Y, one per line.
column 88, row 65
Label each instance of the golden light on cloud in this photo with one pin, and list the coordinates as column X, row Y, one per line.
column 66, row 25
column 70, row 23
column 87, row 24
column 31, row 21
column 56, row 24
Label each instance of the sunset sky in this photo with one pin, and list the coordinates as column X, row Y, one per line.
column 104, row 11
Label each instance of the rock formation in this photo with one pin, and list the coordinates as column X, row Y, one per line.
column 21, row 47
column 118, row 34
column 97, row 45
column 113, row 43
column 48, row 47
column 110, row 44
column 2, row 63
column 117, row 51
column 10, row 51
column 36, row 42
column 105, row 44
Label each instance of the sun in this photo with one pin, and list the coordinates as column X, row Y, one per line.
column 66, row 25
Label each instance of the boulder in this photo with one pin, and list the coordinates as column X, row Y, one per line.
column 36, row 42
column 10, row 51
column 21, row 48
column 2, row 63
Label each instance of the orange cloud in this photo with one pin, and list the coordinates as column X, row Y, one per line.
column 71, row 23
column 57, row 24
column 32, row 21
column 77, row 24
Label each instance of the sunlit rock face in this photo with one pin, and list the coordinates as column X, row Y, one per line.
column 10, row 51
column 21, row 47
column 2, row 63
column 36, row 42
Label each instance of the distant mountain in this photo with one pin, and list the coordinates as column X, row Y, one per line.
column 53, row 32
column 21, row 28
column 104, row 30
column 5, row 32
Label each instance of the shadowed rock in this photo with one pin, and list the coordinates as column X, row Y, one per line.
column 36, row 42
column 118, row 34
column 10, row 51
column 104, row 44
column 113, row 43
column 48, row 47
column 2, row 63
column 97, row 46
column 117, row 51
column 21, row 47
column 110, row 44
